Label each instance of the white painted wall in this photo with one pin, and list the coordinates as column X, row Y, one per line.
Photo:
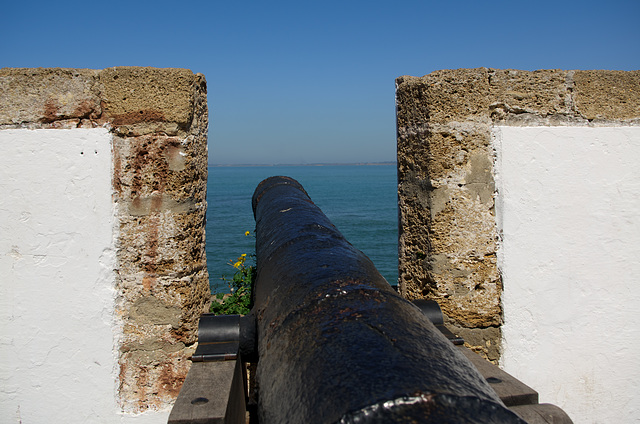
column 57, row 361
column 58, row 332
column 568, row 206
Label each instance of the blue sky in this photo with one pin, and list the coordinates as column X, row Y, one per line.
column 306, row 81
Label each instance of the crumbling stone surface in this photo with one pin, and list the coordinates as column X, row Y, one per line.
column 159, row 119
column 159, row 185
column 448, row 235
column 42, row 96
column 131, row 100
column 148, row 100
column 607, row 95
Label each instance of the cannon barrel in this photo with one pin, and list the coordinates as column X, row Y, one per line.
column 336, row 343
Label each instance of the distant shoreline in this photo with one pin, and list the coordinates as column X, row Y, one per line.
column 245, row 165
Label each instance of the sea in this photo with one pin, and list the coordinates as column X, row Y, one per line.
column 360, row 200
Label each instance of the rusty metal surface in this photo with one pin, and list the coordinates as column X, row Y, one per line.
column 336, row 342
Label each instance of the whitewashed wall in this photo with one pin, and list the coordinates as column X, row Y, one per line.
column 57, row 286
column 568, row 207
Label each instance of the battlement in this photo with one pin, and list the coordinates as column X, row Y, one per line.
column 104, row 194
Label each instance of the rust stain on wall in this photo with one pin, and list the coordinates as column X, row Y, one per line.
column 87, row 109
column 155, row 188
column 138, row 116
column 51, row 109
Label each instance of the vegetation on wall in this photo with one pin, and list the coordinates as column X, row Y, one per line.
column 238, row 301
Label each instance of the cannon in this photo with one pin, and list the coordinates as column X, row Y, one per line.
column 334, row 342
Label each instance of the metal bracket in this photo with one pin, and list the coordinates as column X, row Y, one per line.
column 432, row 310
column 224, row 337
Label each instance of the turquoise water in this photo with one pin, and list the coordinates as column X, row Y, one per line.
column 361, row 200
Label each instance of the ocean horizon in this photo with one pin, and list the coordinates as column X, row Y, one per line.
column 360, row 200
column 244, row 165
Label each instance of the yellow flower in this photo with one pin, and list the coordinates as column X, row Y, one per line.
column 240, row 261
column 246, row 233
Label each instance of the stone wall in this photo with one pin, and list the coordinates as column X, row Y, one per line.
column 156, row 121
column 448, row 231
column 518, row 198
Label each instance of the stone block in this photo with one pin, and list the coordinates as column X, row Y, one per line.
column 449, row 95
column 514, row 92
column 151, row 168
column 147, row 100
column 607, row 95
column 45, row 95
column 151, row 379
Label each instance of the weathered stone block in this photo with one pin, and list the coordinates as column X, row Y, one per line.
column 451, row 94
column 163, row 243
column 514, row 92
column 151, row 379
column 151, row 168
column 148, row 100
column 607, row 95
column 45, row 95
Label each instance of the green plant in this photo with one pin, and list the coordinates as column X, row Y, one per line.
column 240, row 285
